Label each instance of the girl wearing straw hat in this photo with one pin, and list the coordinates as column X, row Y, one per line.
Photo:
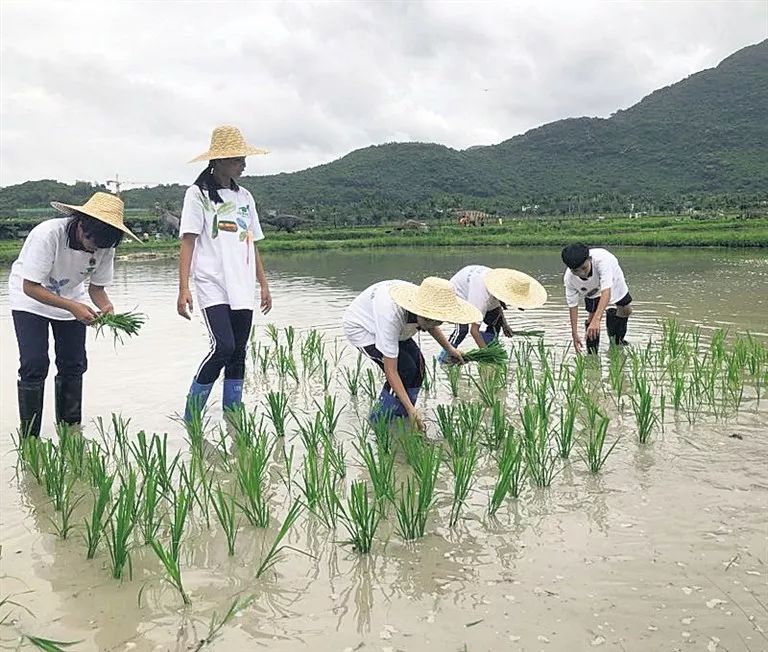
column 491, row 291
column 46, row 289
column 219, row 228
column 382, row 321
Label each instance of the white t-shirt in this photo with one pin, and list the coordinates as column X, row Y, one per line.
column 606, row 273
column 374, row 318
column 224, row 262
column 47, row 258
column 469, row 282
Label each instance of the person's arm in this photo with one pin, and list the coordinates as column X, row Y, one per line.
column 442, row 340
column 574, row 313
column 99, row 297
column 80, row 311
column 261, row 277
column 593, row 329
column 396, row 383
column 184, row 302
column 474, row 331
column 505, row 327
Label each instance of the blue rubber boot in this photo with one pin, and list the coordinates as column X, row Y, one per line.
column 233, row 392
column 197, row 398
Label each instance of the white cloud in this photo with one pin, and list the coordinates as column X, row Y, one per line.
column 90, row 89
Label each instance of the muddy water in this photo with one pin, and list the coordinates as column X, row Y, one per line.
column 666, row 549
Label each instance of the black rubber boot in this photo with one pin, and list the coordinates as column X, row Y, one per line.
column 30, row 407
column 621, row 330
column 69, row 400
column 592, row 345
column 611, row 325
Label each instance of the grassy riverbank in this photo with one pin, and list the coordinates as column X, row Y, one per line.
column 663, row 231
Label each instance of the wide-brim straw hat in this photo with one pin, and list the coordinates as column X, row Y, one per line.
column 435, row 299
column 102, row 206
column 515, row 288
column 228, row 142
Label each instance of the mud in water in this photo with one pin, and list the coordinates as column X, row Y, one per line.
column 665, row 549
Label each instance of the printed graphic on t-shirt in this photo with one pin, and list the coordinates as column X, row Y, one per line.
column 222, row 211
column 91, row 266
column 229, row 227
column 56, row 286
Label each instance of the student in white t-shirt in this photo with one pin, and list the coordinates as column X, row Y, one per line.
column 47, row 289
column 219, row 229
column 491, row 291
column 596, row 275
column 382, row 321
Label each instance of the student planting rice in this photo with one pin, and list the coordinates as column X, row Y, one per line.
column 219, row 228
column 595, row 274
column 491, row 291
column 47, row 288
column 382, row 321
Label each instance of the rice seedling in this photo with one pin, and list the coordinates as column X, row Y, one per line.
column 494, row 353
column 417, row 498
column 360, row 517
column 29, row 450
column 285, row 365
column 290, row 336
column 143, row 453
column 312, row 352
column 446, row 421
column 496, row 430
column 539, row 457
column 250, row 472
column 94, row 528
column 119, row 324
column 73, row 446
column 198, row 480
column 330, row 416
column 642, row 403
column 381, row 469
column 164, row 470
column 453, row 373
column 54, row 466
column 224, row 506
column 216, row 625
column 370, row 385
column 593, row 454
column 67, row 506
column 264, row 360
column 511, row 469
column 170, row 556
column 352, row 376
column 463, row 467
column 172, row 569
column 334, row 456
column 120, row 448
column 382, row 434
column 275, row 552
column 564, row 433
column 277, row 412
column 325, row 375
column 273, row 334
column 311, row 431
column 49, row 644
column 490, row 384
column 121, row 524
column 470, row 416
column 616, row 367
column 150, row 517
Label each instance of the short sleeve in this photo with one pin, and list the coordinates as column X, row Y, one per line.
column 39, row 255
column 258, row 234
column 388, row 321
column 571, row 295
column 105, row 269
column 193, row 212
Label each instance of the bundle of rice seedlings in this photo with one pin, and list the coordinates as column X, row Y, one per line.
column 122, row 323
column 494, row 353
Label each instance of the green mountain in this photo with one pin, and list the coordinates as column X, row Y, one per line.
column 703, row 137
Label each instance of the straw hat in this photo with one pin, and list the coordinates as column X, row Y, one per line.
column 103, row 206
column 435, row 299
column 228, row 142
column 515, row 288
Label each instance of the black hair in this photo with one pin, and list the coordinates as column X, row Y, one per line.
column 104, row 236
column 574, row 255
column 207, row 182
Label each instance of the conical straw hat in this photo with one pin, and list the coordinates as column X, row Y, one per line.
column 515, row 288
column 228, row 142
column 435, row 299
column 104, row 207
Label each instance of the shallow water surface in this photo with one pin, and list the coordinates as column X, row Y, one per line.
column 665, row 549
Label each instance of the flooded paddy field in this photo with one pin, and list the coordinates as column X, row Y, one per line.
column 628, row 545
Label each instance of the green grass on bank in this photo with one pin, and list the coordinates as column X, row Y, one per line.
column 644, row 231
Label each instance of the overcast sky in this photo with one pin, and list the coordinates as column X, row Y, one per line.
column 90, row 89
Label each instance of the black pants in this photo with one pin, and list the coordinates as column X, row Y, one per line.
column 492, row 321
column 229, row 331
column 32, row 337
column 410, row 363
column 616, row 326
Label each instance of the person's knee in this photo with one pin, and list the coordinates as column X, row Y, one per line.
column 225, row 350
column 34, row 368
column 623, row 311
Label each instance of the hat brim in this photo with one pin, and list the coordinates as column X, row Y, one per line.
column 212, row 156
column 460, row 312
column 497, row 283
column 69, row 209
